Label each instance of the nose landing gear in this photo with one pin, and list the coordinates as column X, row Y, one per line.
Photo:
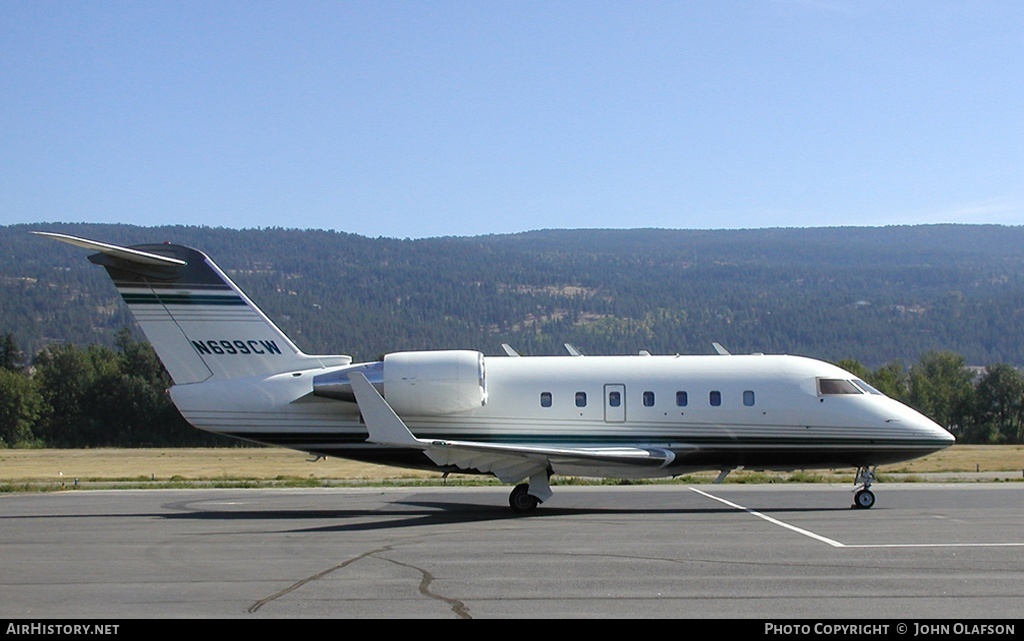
column 864, row 498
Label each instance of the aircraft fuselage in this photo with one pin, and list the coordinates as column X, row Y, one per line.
column 710, row 412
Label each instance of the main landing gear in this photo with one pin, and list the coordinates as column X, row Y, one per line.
column 520, row 501
column 864, row 498
column 525, row 497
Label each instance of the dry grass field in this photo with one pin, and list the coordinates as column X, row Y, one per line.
column 48, row 469
column 184, row 464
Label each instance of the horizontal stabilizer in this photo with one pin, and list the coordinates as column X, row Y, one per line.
column 125, row 253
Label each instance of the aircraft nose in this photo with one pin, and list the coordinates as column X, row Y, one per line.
column 946, row 436
column 933, row 430
column 916, row 425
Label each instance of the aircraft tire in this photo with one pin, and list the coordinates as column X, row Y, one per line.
column 520, row 501
column 864, row 499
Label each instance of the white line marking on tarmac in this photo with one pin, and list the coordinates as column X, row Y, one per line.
column 936, row 545
column 808, row 533
column 837, row 544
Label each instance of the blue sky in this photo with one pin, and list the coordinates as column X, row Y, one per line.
column 434, row 118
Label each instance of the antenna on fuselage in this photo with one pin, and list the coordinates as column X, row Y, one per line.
column 721, row 350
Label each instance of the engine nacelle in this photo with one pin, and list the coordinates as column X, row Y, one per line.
column 416, row 383
column 441, row 382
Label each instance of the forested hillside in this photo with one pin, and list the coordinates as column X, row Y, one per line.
column 906, row 308
column 871, row 294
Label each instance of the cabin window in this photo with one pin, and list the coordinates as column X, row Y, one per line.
column 681, row 399
column 648, row 399
column 716, row 398
column 614, row 399
column 581, row 399
column 837, row 386
column 545, row 399
column 748, row 397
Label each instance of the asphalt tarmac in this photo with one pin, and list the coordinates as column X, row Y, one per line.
column 773, row 552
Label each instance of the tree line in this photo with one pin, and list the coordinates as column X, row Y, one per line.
column 82, row 397
column 73, row 397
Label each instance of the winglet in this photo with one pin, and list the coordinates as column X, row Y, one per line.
column 117, row 251
column 384, row 426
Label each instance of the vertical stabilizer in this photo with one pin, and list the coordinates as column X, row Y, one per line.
column 202, row 326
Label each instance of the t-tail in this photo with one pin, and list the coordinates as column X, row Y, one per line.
column 202, row 326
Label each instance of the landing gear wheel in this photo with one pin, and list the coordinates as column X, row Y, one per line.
column 520, row 501
column 863, row 499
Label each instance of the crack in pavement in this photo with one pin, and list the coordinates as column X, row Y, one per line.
column 319, row 575
column 426, row 578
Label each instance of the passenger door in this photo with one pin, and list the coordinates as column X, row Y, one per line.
column 614, row 403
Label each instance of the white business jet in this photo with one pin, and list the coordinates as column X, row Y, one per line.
column 521, row 419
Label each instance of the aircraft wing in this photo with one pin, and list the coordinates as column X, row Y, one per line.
column 510, row 463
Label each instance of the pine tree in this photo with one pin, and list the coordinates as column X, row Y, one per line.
column 10, row 355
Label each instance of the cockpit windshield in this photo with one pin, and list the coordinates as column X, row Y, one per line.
column 864, row 386
column 829, row 386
